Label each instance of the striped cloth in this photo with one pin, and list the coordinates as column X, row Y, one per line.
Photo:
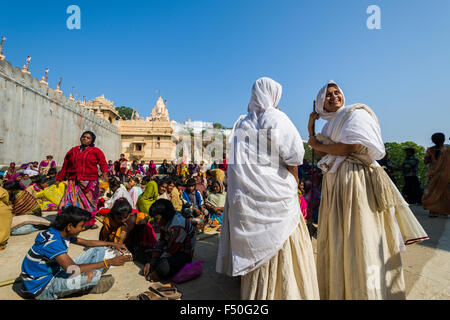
column 25, row 203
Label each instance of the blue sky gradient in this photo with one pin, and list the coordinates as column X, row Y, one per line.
column 204, row 55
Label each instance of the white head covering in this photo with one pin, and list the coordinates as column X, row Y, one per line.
column 320, row 102
column 266, row 93
column 262, row 208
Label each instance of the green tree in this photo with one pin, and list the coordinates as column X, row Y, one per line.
column 308, row 154
column 125, row 112
column 397, row 155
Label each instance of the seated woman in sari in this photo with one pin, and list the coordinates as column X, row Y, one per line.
column 49, row 197
column 215, row 203
column 134, row 170
column 436, row 196
column 24, row 204
column 11, row 170
column 46, row 165
column 174, row 196
column 18, row 176
column 149, row 196
column 125, row 225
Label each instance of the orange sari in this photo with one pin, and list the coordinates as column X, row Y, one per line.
column 436, row 196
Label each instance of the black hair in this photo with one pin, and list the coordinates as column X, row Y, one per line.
column 121, row 209
column 162, row 181
column 35, row 179
column 438, row 139
column 114, row 183
column 12, row 186
column 52, row 171
column 70, row 215
column 146, row 179
column 191, row 182
column 179, row 183
column 135, row 179
column 333, row 85
column 164, row 208
column 93, row 136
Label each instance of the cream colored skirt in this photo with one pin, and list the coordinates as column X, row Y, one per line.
column 289, row 275
column 358, row 248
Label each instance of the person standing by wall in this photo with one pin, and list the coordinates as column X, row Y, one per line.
column 80, row 168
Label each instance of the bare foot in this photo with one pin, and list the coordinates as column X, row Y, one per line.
column 146, row 269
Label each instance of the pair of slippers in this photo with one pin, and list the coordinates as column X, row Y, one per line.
column 159, row 291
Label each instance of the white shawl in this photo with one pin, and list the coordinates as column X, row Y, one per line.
column 262, row 208
column 354, row 124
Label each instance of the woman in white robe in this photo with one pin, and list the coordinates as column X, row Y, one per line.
column 364, row 223
column 263, row 238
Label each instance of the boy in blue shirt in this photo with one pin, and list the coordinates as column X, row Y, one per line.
column 49, row 273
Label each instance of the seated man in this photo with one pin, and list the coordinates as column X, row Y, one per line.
column 176, row 242
column 47, row 268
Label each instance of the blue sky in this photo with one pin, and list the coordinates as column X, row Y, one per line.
column 204, row 55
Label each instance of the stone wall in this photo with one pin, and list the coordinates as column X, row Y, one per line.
column 36, row 121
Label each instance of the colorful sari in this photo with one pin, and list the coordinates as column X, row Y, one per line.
column 217, row 200
column 436, row 196
column 25, row 203
column 149, row 196
column 45, row 166
column 182, row 170
column 137, row 231
column 303, row 204
column 11, row 171
column 83, row 194
column 152, row 169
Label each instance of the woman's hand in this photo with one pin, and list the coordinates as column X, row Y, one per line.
column 312, row 120
column 120, row 246
column 313, row 142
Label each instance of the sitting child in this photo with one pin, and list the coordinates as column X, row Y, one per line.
column 176, row 242
column 47, row 268
column 193, row 203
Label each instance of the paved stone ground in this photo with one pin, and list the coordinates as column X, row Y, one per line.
column 426, row 267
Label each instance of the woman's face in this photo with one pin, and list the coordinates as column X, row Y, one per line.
column 334, row 99
column 132, row 183
column 19, row 178
column 162, row 188
column 216, row 188
column 302, row 186
column 170, row 187
column 121, row 220
column 86, row 139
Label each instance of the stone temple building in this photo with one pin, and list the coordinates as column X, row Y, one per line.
column 103, row 108
column 151, row 138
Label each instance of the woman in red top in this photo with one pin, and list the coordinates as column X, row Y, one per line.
column 80, row 168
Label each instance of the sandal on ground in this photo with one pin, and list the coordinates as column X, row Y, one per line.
column 148, row 295
column 166, row 290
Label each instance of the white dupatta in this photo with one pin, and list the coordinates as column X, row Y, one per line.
column 262, row 208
